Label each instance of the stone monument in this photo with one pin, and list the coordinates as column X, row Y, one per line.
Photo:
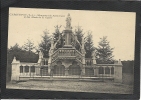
column 68, row 32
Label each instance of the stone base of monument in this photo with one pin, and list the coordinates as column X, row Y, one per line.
column 67, row 46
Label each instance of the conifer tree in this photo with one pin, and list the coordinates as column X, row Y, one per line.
column 104, row 51
column 29, row 46
column 15, row 48
column 45, row 44
column 89, row 46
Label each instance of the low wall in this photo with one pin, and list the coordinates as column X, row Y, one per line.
column 117, row 71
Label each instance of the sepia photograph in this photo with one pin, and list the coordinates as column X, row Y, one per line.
column 71, row 50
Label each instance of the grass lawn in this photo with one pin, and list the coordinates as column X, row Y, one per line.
column 76, row 86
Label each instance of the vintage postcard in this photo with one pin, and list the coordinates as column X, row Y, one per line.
column 71, row 50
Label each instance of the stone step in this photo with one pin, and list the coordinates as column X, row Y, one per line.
column 67, row 79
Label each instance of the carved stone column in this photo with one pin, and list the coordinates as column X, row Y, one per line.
column 50, row 56
column 49, row 68
column 68, row 38
column 30, row 71
column 66, row 72
column 95, row 71
column 110, row 70
column 104, row 70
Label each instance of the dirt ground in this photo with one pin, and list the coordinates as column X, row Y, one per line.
column 76, row 86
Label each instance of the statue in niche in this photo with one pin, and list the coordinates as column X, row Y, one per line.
column 68, row 22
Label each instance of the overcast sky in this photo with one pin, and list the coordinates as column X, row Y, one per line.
column 119, row 27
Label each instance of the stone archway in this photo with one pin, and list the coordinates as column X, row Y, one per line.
column 59, row 69
column 74, row 69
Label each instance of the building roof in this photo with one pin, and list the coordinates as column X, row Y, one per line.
column 30, row 58
column 23, row 57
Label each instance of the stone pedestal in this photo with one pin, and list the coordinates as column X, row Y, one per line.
column 118, row 73
column 37, row 71
column 15, row 70
column 49, row 69
column 83, row 70
column 68, row 38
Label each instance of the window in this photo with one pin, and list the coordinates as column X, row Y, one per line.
column 112, row 70
column 33, row 69
column 101, row 70
column 47, row 62
column 107, row 70
column 26, row 69
column 21, row 69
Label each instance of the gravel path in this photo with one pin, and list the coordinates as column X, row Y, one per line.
column 77, row 86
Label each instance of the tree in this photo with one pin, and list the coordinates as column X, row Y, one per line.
column 29, row 46
column 79, row 34
column 57, row 36
column 89, row 46
column 104, row 51
column 37, row 50
column 15, row 48
column 45, row 44
column 14, row 51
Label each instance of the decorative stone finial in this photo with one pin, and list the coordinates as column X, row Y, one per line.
column 82, row 47
column 93, row 54
column 94, row 57
column 14, row 59
column 57, row 27
column 119, row 62
column 94, row 61
column 40, row 54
